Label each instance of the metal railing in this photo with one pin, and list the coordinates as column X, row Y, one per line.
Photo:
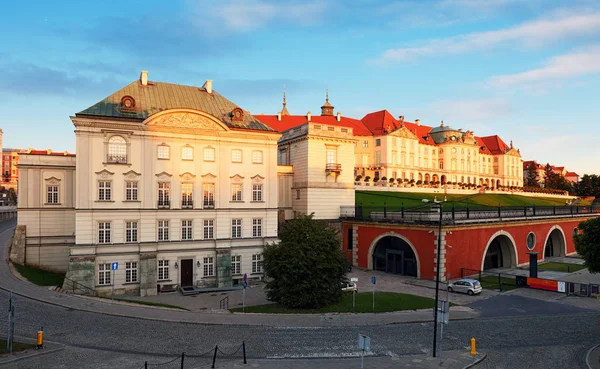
column 164, row 203
column 333, row 167
column 187, row 204
column 224, row 303
column 77, row 288
column 209, row 204
column 116, row 159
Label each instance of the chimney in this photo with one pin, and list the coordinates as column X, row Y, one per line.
column 278, row 115
column 144, row 78
column 208, row 86
column 308, row 115
column 401, row 118
column 418, row 121
column 339, row 116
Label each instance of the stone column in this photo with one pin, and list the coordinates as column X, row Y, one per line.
column 148, row 274
column 224, row 268
column 442, row 255
column 82, row 271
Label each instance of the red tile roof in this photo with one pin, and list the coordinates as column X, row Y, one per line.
column 291, row 121
column 572, row 174
column 494, row 144
column 382, row 121
column 44, row 152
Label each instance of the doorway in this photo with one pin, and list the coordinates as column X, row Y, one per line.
column 187, row 272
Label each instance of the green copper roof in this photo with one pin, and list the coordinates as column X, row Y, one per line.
column 158, row 96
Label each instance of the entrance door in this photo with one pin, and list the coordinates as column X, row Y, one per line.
column 394, row 262
column 187, row 272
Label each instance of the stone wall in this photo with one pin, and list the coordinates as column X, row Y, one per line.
column 81, row 271
column 17, row 250
column 148, row 274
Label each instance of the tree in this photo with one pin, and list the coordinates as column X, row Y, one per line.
column 305, row 269
column 589, row 185
column 587, row 243
column 532, row 179
column 549, row 176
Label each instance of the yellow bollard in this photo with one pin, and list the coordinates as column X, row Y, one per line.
column 473, row 346
column 40, row 338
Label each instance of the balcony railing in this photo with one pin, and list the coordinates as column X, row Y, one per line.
column 333, row 168
column 209, row 204
column 164, row 204
column 187, row 204
column 116, row 159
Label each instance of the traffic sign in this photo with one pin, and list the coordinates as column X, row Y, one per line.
column 373, row 279
column 114, row 265
column 245, row 284
column 245, row 277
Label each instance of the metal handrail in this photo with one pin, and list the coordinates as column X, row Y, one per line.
column 224, row 303
column 76, row 285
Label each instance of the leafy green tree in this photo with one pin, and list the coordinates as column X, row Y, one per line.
column 587, row 243
column 305, row 269
column 589, row 185
column 532, row 179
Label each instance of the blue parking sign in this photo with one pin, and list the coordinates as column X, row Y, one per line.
column 373, row 280
column 114, row 265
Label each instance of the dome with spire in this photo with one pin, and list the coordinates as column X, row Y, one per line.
column 284, row 111
column 327, row 108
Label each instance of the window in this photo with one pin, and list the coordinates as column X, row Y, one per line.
column 378, row 142
column 236, row 192
column 331, row 129
column 131, row 231
column 52, row 194
column 208, row 229
column 344, row 130
column 531, row 241
column 236, row 228
column 257, row 192
column 163, row 230
column 117, row 150
column 317, row 126
column 186, row 230
column 377, row 158
column 297, row 194
column 104, row 274
column 394, row 141
column 209, row 195
column 187, row 153
column 257, row 227
column 104, row 190
column 257, row 157
column 331, row 156
column 187, row 195
column 365, row 160
column 163, row 270
column 209, row 266
column 257, row 263
column 131, row 272
column 131, row 190
column 365, row 143
column 164, row 152
column 209, row 154
column 163, row 193
column 103, row 232
column 441, row 164
column 236, row 264
column 236, row 156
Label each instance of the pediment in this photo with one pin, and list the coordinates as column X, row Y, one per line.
column 132, row 174
column 187, row 176
column 185, row 119
column 258, row 178
column 237, row 178
column 104, row 173
column 404, row 132
column 52, row 181
column 164, row 175
column 513, row 152
column 208, row 176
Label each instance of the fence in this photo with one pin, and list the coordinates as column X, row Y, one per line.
column 204, row 360
column 582, row 289
column 76, row 288
column 490, row 280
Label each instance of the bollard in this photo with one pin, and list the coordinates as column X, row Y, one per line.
column 473, row 346
column 40, row 338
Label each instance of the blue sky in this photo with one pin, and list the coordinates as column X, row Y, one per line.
column 527, row 70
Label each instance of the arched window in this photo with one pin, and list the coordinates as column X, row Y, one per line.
column 117, row 150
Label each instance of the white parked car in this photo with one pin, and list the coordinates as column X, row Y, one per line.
column 466, row 285
column 350, row 287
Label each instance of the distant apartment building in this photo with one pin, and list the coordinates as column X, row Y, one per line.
column 540, row 170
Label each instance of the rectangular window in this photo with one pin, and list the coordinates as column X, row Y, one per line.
column 187, row 153
column 163, row 270
column 257, row 227
column 257, row 263
column 365, row 143
column 131, row 190
column 163, row 193
column 187, row 195
column 377, row 158
column 209, row 266
column 378, row 142
column 344, row 130
column 52, row 194
column 257, row 157
column 331, row 156
column 164, row 152
column 131, row 231
column 104, row 274
column 209, row 195
column 163, row 230
column 209, row 154
column 103, row 232
column 104, row 190
column 131, row 272
column 209, row 229
column 186, row 230
column 331, row 129
column 236, row 156
column 236, row 228
column 236, row 264
column 365, row 160
column 236, row 192
column 257, row 192
column 297, row 194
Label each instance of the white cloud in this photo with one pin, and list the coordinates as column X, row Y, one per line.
column 575, row 64
column 529, row 34
column 471, row 111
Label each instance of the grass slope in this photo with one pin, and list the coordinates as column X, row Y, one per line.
column 39, row 276
column 384, row 302
column 561, row 267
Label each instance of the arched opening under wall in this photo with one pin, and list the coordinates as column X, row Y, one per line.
column 396, row 256
column 427, row 178
column 443, row 179
column 498, row 184
column 435, row 178
column 500, row 254
column 420, row 177
column 555, row 244
column 481, row 181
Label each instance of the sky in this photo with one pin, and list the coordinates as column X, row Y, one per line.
column 527, row 70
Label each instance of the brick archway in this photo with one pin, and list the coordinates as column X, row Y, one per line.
column 562, row 247
column 513, row 254
column 392, row 234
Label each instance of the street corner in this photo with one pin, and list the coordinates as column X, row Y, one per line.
column 47, row 349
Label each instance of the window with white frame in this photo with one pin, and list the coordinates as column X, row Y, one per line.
column 236, row 192
column 104, row 274
column 236, row 156
column 164, row 152
column 131, row 190
column 257, row 263
column 163, row 270
column 236, row 264
column 257, row 157
column 209, row 154
column 104, row 190
column 163, row 193
column 131, row 272
column 163, row 230
column 208, row 190
column 236, row 228
column 187, row 195
column 186, row 230
column 187, row 153
column 117, row 150
column 378, row 142
column 377, row 158
column 103, row 232
column 365, row 160
column 257, row 227
column 365, row 143
column 209, row 266
column 331, row 156
column 209, row 228
column 257, row 192
column 52, row 192
column 131, row 231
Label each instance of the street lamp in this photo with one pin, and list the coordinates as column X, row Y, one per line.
column 437, row 277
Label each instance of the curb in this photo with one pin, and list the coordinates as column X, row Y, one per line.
column 29, row 353
column 587, row 356
column 476, row 362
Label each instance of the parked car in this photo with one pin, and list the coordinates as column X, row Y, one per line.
column 350, row 287
column 466, row 285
